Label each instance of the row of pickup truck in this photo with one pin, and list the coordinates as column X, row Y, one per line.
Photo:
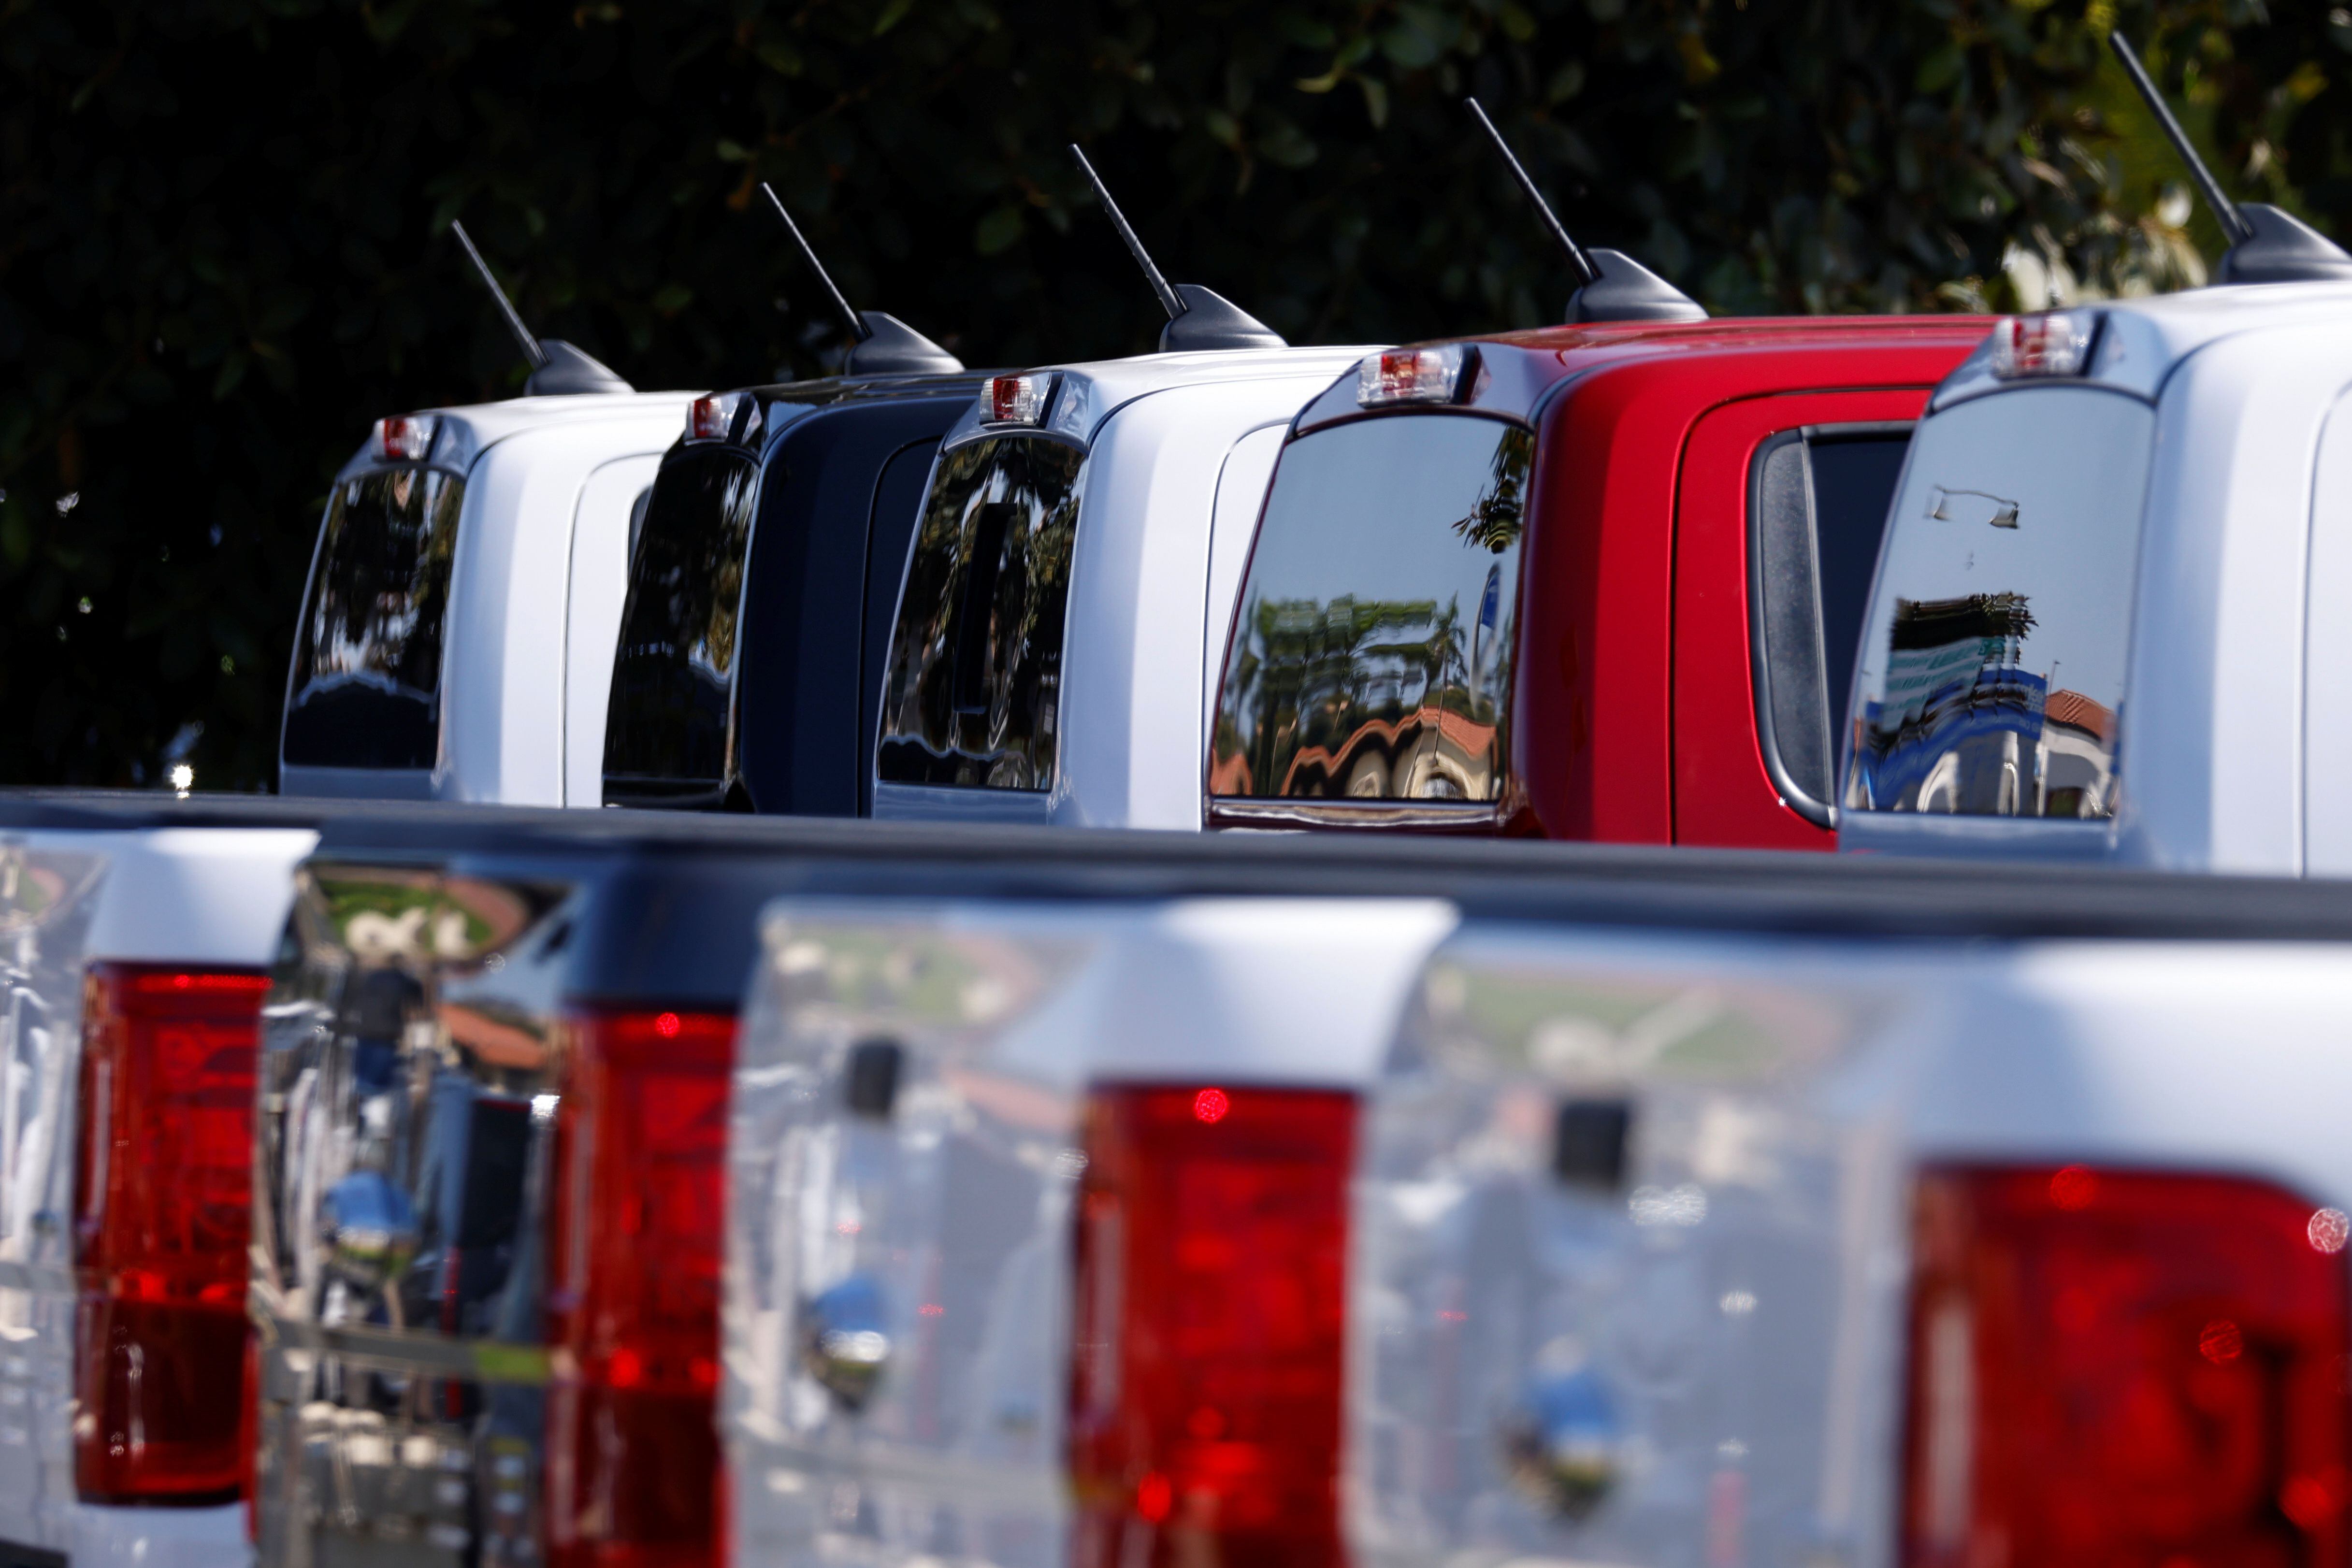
column 675, row 1188
column 1649, row 577
column 405, row 1172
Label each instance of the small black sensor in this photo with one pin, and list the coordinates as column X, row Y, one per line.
column 873, row 1078
column 1589, row 1143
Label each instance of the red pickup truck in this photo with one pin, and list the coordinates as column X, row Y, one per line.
column 1600, row 582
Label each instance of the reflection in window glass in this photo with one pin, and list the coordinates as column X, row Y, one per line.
column 974, row 683
column 1992, row 666
column 665, row 729
column 367, row 655
column 1372, row 653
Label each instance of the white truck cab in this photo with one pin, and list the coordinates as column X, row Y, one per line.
column 456, row 640
column 2102, row 622
column 1073, row 575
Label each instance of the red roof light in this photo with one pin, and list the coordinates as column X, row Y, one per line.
column 405, row 437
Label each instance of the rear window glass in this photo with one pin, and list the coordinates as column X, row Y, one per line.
column 1372, row 651
column 366, row 691
column 1992, row 665
column 974, row 683
column 1820, row 501
column 667, row 727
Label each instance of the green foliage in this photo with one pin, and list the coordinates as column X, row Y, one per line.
column 223, row 249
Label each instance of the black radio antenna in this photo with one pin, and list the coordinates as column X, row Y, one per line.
column 2235, row 227
column 1168, row 302
column 850, row 318
column 1580, row 263
column 535, row 356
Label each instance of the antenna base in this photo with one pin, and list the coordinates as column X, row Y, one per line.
column 569, row 373
column 2284, row 249
column 1628, row 291
column 1210, row 321
column 891, row 348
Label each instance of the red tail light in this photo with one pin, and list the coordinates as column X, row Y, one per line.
column 2129, row 1369
column 640, row 1151
column 162, row 1204
column 1207, row 1352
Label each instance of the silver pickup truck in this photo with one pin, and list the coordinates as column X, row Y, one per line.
column 624, row 1186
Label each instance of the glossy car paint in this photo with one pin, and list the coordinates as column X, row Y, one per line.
column 2231, row 749
column 819, row 585
column 535, row 595
column 1634, row 707
column 1165, row 434
column 70, row 896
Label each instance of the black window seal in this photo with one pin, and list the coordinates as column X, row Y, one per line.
column 1821, row 813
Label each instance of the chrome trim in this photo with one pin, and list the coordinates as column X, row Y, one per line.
column 1456, row 815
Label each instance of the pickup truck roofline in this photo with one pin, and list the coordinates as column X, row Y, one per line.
column 2142, row 341
column 468, row 430
column 1088, row 394
column 1523, row 370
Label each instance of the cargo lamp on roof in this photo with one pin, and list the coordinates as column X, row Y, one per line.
column 1019, row 399
column 2055, row 343
column 405, row 437
column 715, row 417
column 1447, row 374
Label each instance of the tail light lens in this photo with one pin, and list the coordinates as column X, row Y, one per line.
column 162, row 1205
column 2125, row 1368
column 640, row 1151
column 1209, row 1316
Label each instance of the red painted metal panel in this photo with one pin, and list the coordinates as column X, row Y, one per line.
column 1722, row 794
column 1593, row 736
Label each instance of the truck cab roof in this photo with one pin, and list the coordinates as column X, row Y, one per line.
column 2142, row 341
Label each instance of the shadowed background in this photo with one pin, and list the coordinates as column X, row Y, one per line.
column 223, row 249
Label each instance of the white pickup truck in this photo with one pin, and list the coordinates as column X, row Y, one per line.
column 1074, row 569
column 456, row 640
column 1675, row 1218
column 2102, row 627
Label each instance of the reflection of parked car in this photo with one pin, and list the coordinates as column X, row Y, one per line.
column 1593, row 582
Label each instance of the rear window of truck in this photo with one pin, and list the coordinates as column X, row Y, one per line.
column 666, row 728
column 1371, row 656
column 1991, row 667
column 974, row 688
column 366, row 691
column 1818, row 503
